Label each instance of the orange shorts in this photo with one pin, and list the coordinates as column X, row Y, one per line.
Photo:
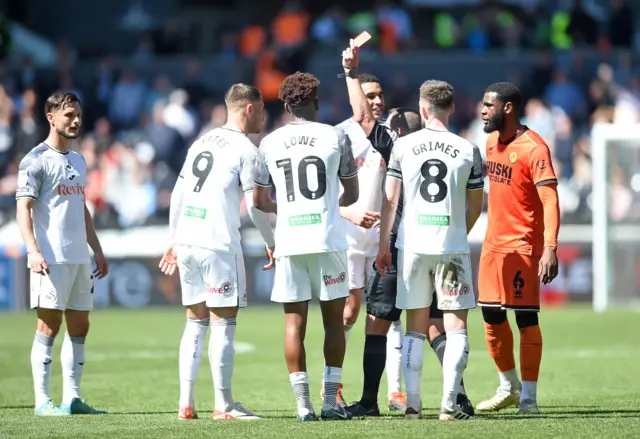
column 509, row 281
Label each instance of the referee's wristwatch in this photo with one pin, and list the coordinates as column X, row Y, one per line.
column 349, row 73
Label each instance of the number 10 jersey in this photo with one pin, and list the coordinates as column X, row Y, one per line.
column 436, row 169
column 305, row 161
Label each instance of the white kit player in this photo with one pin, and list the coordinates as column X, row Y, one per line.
column 362, row 219
column 307, row 162
column 205, row 247
column 440, row 176
column 56, row 227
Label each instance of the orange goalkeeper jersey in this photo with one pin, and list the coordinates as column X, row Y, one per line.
column 515, row 168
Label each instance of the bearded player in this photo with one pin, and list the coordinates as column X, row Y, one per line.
column 519, row 249
column 205, row 246
column 362, row 219
column 56, row 227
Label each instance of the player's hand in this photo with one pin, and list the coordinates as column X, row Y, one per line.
column 367, row 219
column 351, row 56
column 383, row 261
column 102, row 266
column 269, row 254
column 37, row 262
column 548, row 266
column 169, row 261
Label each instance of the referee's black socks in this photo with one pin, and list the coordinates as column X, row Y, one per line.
column 373, row 363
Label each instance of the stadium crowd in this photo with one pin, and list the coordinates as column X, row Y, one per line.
column 136, row 133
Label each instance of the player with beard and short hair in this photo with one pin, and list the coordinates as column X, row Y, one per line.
column 307, row 162
column 519, row 249
column 56, row 227
column 361, row 220
column 205, row 245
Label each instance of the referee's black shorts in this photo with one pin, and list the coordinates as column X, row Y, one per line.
column 381, row 293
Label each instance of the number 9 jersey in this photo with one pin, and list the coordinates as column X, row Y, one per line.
column 436, row 168
column 305, row 162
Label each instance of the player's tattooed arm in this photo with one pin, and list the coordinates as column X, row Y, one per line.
column 362, row 112
column 393, row 189
column 347, row 172
column 30, row 174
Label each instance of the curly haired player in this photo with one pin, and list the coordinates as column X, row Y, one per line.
column 307, row 162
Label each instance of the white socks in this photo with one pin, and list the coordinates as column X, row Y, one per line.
column 529, row 390
column 412, row 360
column 72, row 358
column 509, row 380
column 190, row 357
column 394, row 358
column 456, row 355
column 300, row 383
column 41, row 366
column 332, row 379
column 221, row 357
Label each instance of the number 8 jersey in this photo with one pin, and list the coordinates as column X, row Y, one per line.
column 305, row 161
column 436, row 169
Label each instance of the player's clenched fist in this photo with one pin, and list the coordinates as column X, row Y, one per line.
column 350, row 56
column 169, row 261
column 383, row 261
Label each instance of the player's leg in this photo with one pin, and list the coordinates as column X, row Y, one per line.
column 381, row 310
column 498, row 334
column 524, row 298
column 414, row 280
column 454, row 289
column 194, row 296
column 79, row 304
column 387, row 300
column 323, row 268
column 49, row 294
column 225, row 280
column 292, row 288
column 357, row 277
column 437, row 338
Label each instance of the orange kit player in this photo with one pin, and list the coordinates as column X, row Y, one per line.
column 520, row 246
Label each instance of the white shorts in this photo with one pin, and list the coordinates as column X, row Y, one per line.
column 360, row 269
column 300, row 277
column 449, row 275
column 217, row 279
column 68, row 286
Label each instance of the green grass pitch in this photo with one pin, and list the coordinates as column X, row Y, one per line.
column 589, row 383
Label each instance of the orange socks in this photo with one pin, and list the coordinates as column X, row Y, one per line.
column 530, row 352
column 499, row 340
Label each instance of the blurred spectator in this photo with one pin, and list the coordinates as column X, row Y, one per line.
column 289, row 27
column 565, row 94
column 7, row 134
column 127, row 100
column 167, row 40
column 218, row 118
column 582, row 28
column 169, row 145
column 621, row 24
column 328, row 29
column 252, row 40
column 159, row 92
column 194, row 85
column 28, row 129
column 177, row 114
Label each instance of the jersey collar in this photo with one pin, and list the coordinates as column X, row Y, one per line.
column 519, row 133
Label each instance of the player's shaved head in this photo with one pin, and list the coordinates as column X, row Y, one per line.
column 437, row 94
column 507, row 92
column 404, row 121
column 60, row 101
column 240, row 95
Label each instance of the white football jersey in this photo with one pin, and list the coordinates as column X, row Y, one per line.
column 372, row 168
column 56, row 182
column 436, row 169
column 216, row 174
column 305, row 161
